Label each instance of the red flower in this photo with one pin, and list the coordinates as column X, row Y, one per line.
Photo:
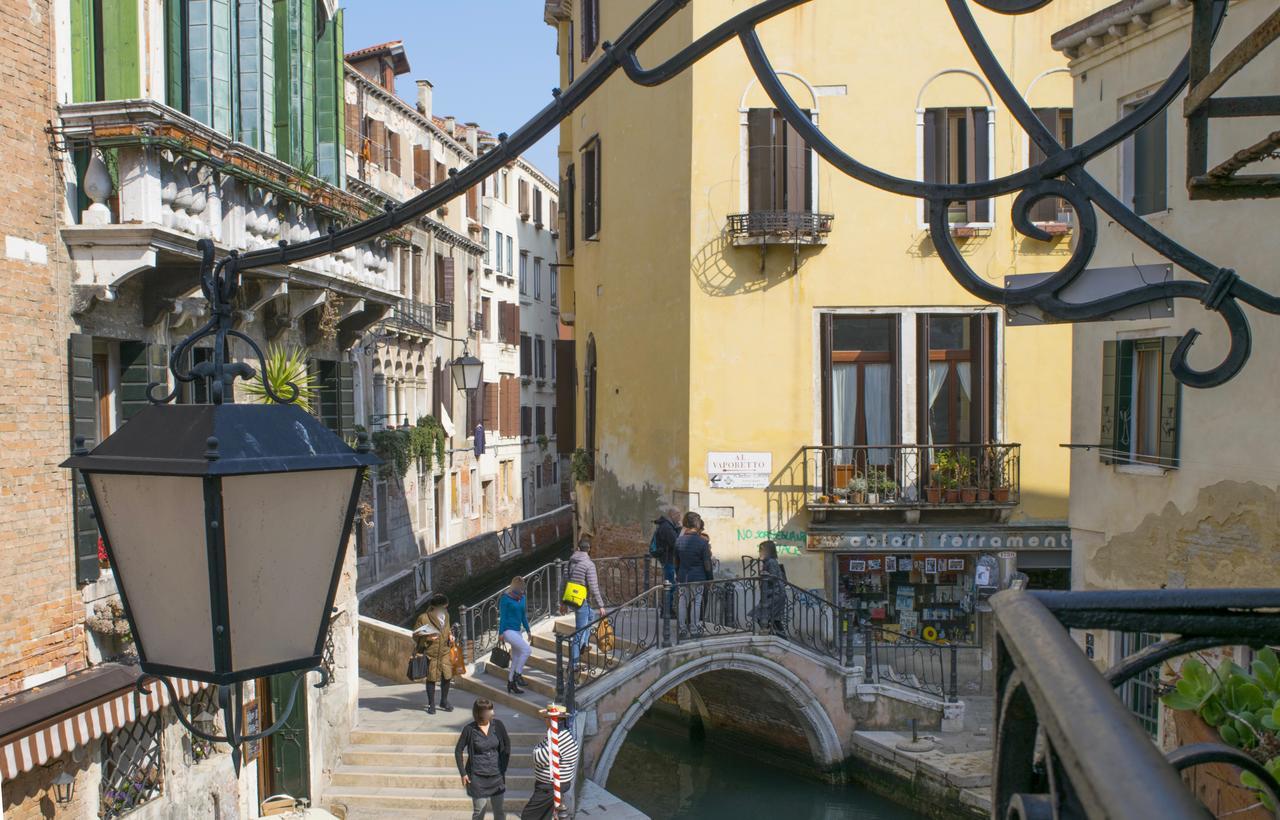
column 102, row 551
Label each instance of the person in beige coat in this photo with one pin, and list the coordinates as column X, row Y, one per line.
column 432, row 635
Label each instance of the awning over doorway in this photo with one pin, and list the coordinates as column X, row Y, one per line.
column 46, row 723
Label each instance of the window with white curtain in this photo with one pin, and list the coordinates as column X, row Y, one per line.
column 861, row 385
column 956, row 351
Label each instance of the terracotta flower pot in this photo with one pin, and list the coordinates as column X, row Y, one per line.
column 933, row 495
column 952, row 496
column 968, row 495
column 984, row 495
column 1000, row 494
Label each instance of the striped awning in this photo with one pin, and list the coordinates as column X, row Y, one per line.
column 79, row 727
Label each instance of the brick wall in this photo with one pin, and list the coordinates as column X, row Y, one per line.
column 40, row 609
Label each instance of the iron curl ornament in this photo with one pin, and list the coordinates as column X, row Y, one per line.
column 1060, row 174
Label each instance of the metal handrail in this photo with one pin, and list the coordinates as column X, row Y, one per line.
column 639, row 625
column 785, row 223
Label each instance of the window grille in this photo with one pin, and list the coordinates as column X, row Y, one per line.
column 132, row 768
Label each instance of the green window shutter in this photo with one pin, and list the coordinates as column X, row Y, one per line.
column 346, row 399
column 307, row 96
column 84, row 422
column 84, row 78
column 284, row 34
column 209, row 61
column 120, row 50
column 1124, row 401
column 141, row 364
column 175, row 50
column 339, row 113
column 1170, row 406
column 255, row 62
column 328, row 106
column 1107, row 427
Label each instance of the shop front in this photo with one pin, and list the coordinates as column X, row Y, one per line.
column 931, row 582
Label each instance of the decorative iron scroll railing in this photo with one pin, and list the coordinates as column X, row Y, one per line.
column 1061, row 175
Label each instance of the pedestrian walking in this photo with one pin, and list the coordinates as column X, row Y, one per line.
column 541, row 805
column 488, row 750
column 513, row 618
column 693, row 566
column 433, row 636
column 666, row 530
column 771, row 612
column 582, row 580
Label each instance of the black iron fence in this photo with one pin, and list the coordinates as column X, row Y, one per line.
column 787, row 224
column 912, row 475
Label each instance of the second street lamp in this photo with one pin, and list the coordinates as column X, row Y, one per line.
column 227, row 527
column 467, row 372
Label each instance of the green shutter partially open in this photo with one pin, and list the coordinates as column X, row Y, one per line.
column 328, row 92
column 1107, row 427
column 84, row 422
column 84, row 78
column 120, row 50
column 347, row 399
column 1170, row 405
column 141, row 364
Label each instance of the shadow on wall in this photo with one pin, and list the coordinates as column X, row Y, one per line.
column 724, row 270
column 784, row 497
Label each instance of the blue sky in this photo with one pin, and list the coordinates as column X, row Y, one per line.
column 491, row 61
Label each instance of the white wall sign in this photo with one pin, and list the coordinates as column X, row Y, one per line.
column 730, row 471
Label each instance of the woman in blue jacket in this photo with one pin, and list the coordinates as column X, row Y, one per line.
column 513, row 616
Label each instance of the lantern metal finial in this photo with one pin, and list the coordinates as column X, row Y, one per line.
column 220, row 282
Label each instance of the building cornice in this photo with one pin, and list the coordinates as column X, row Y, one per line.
column 538, row 175
column 555, row 12
column 370, row 87
column 436, row 228
column 1111, row 24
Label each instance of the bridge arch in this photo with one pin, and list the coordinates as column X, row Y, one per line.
column 824, row 740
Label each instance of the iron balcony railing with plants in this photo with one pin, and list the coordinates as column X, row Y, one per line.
column 897, row 476
column 673, row 614
column 1066, row 744
column 784, row 227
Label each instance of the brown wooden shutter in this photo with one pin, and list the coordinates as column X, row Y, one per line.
column 566, row 393
column 421, row 167
column 981, row 165
column 797, row 176
column 935, row 145
column 760, row 159
column 1046, row 210
column 524, row 197
column 448, row 281
column 491, row 406
column 352, row 115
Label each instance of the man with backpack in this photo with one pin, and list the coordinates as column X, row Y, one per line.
column 662, row 546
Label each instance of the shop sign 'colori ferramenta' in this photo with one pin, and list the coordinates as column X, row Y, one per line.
column 957, row 540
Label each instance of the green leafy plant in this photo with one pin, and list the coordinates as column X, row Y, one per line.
column 425, row 441
column 581, row 465
column 543, row 443
column 1243, row 705
column 284, row 366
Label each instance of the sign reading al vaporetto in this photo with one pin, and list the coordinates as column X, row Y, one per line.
column 739, row 470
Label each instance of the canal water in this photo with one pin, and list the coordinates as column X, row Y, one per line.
column 665, row 774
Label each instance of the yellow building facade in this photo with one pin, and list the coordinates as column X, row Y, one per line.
column 777, row 346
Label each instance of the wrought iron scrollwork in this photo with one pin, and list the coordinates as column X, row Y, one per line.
column 1060, row 174
column 219, row 282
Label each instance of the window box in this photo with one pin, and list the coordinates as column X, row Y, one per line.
column 780, row 228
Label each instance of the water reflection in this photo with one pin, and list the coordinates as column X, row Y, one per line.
column 663, row 773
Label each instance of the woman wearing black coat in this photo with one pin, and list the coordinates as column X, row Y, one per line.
column 488, row 750
column 773, row 594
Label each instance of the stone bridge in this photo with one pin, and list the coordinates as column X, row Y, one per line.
column 785, row 701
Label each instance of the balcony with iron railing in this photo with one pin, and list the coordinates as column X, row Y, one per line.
column 911, row 477
column 780, row 228
column 410, row 314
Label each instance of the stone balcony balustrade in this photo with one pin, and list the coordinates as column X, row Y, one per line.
column 159, row 181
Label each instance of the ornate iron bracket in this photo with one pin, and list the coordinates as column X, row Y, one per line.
column 231, row 702
column 1061, row 174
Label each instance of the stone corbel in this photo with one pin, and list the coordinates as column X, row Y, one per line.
column 85, row 297
column 188, row 309
column 350, row 308
column 301, row 302
column 261, row 294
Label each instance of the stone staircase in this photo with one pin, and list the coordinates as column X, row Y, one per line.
column 490, row 681
column 411, row 774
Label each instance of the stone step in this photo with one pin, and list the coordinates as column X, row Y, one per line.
column 413, row 802
column 487, row 687
column 425, row 740
column 408, row 757
column 539, row 682
column 435, row 777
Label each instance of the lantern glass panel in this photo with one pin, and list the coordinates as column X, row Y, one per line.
column 156, row 528
column 283, row 534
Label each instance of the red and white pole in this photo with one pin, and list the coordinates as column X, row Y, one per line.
column 553, row 714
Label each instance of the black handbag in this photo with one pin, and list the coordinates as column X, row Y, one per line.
column 500, row 657
column 418, row 665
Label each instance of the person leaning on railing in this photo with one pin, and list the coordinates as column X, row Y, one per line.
column 693, row 565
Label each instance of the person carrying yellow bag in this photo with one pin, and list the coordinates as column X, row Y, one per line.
column 581, row 589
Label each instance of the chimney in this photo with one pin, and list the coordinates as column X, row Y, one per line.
column 449, row 123
column 473, row 137
column 424, row 98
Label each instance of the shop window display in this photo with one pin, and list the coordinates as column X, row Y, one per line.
column 920, row 595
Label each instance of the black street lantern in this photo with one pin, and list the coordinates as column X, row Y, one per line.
column 64, row 787
column 467, row 372
column 226, row 526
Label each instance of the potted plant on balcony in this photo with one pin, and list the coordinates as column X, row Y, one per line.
column 888, row 487
column 858, row 490
column 998, row 474
column 933, row 489
column 966, row 478
column 947, row 467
